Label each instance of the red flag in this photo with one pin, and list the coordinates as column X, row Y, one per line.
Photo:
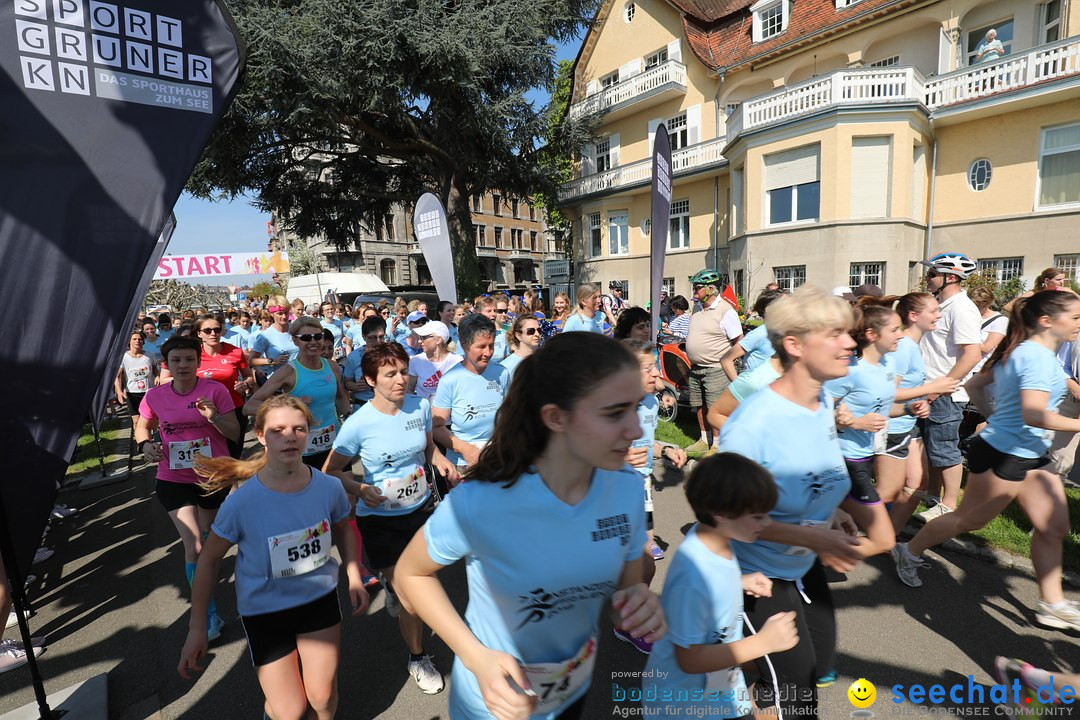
column 731, row 297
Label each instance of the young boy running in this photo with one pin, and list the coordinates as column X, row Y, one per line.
column 694, row 669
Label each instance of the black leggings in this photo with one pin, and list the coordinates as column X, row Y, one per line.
column 236, row 447
column 797, row 669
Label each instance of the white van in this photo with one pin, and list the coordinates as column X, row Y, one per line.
column 313, row 288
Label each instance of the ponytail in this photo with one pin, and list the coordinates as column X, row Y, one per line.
column 520, row 435
column 222, row 473
column 913, row 302
column 871, row 313
column 1024, row 321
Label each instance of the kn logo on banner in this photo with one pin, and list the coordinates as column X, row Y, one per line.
column 85, row 47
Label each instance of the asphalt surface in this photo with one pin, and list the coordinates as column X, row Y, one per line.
column 113, row 600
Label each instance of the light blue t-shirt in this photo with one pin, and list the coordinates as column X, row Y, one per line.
column 757, row 346
column 501, row 348
column 153, row 349
column 535, row 605
column 272, row 343
column 907, row 362
column 356, row 337
column 866, row 389
column 472, row 401
column 799, row 447
column 401, row 332
column 336, row 327
column 254, row 516
column 579, row 323
column 703, row 605
column 391, row 449
column 1030, row 366
column 352, row 371
column 165, row 334
column 751, row 381
column 239, row 337
column 648, row 417
column 510, row 362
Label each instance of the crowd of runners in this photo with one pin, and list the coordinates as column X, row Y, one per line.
column 410, row 437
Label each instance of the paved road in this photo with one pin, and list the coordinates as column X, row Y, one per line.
column 111, row 600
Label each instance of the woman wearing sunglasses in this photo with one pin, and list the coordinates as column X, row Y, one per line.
column 524, row 339
column 317, row 382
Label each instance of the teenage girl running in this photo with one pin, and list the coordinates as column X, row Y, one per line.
column 527, row 645
column 283, row 518
column 1005, row 460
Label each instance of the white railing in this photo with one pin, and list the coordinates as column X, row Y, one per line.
column 843, row 87
column 1046, row 62
column 625, row 91
column 685, row 160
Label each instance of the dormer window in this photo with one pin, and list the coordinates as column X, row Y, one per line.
column 770, row 18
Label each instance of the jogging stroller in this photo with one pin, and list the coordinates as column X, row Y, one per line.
column 675, row 376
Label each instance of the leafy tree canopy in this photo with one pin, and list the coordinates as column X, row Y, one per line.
column 351, row 107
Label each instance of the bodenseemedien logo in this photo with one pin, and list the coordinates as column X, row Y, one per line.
column 86, row 47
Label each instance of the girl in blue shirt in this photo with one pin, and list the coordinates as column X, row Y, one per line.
column 898, row 468
column 283, row 519
column 587, row 317
column 789, row 429
column 527, row 644
column 1006, row 457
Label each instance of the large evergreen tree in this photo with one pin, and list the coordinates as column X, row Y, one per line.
column 351, row 107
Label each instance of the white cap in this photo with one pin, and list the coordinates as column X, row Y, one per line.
column 433, row 327
column 844, row 292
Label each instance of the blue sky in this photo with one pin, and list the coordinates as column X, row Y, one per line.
column 237, row 226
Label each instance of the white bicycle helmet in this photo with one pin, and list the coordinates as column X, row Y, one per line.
column 952, row 264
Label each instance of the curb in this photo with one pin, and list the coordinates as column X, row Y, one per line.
column 970, row 548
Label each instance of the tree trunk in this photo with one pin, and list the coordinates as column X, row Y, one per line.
column 462, row 245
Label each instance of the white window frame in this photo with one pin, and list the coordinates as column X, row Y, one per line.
column 890, row 61
column 841, row 4
column 863, row 273
column 795, row 220
column 657, row 59
column 609, row 80
column 678, row 131
column 595, row 239
column 618, row 244
column 1070, row 265
column 679, row 225
column 629, row 10
column 790, row 277
column 762, row 11
column 1045, row 27
column 1056, row 151
column 980, row 33
column 975, row 171
column 668, row 286
column 602, row 155
column 1003, row 269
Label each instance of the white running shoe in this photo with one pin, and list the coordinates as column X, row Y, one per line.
column 12, row 620
column 62, row 511
column 1066, row 617
column 907, row 565
column 42, row 554
column 934, row 512
column 426, row 676
column 12, row 654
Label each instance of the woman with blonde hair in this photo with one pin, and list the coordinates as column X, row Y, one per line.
column 523, row 338
column 560, row 310
column 283, row 518
column 587, row 316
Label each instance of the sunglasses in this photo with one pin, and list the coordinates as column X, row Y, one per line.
column 385, row 312
column 210, row 331
column 932, row 274
column 308, row 337
column 503, row 311
column 531, row 331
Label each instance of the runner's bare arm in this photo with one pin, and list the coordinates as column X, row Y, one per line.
column 206, row 578
column 343, row 536
column 281, row 380
column 634, row 607
column 339, row 466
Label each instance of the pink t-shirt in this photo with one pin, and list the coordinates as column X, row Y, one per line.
column 184, row 431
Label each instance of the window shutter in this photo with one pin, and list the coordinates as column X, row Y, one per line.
column 652, row 131
column 630, row 69
column 945, row 50
column 592, row 88
column 588, row 162
column 613, row 152
column 674, row 50
column 791, row 167
column 693, row 125
column 870, row 177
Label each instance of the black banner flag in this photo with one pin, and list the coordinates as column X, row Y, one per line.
column 661, row 214
column 106, row 109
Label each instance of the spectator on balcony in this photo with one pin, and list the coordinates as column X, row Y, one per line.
column 989, row 48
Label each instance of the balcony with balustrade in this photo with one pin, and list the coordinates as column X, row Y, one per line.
column 1024, row 77
column 652, row 87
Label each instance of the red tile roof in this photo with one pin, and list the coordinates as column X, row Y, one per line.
column 727, row 42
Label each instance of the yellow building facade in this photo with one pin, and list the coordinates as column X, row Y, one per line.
column 835, row 142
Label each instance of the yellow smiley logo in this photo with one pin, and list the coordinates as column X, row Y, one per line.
column 862, row 693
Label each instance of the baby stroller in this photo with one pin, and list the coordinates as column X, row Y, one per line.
column 675, row 377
